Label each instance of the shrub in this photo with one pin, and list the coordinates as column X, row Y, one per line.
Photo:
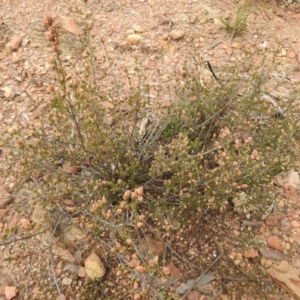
column 118, row 158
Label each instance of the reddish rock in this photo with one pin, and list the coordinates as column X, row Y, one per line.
column 15, row 42
column 250, row 253
column 10, row 292
column 295, row 224
column 274, row 243
column 81, row 272
column 174, row 271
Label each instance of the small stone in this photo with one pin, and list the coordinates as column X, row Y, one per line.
column 292, row 55
column 24, row 42
column 176, row 34
column 236, row 232
column 287, row 246
column 239, row 256
column 237, row 262
column 58, row 271
column 94, row 267
column 8, row 92
column 134, row 39
column 274, row 243
column 283, row 52
column 295, row 224
column 251, row 253
column 15, row 42
column 10, row 292
column 137, row 28
column 236, row 45
column 81, row 272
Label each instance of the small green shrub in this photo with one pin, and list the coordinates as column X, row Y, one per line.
column 120, row 166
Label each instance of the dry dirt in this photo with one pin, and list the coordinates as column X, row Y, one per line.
column 272, row 27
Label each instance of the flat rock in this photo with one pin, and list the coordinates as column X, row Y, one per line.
column 284, row 274
column 94, row 267
column 10, row 292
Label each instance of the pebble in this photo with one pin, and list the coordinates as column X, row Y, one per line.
column 138, row 28
column 251, row 253
column 81, row 272
column 176, row 34
column 295, row 224
column 274, row 243
column 134, row 39
column 15, row 42
column 287, row 246
column 94, row 267
column 10, row 292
